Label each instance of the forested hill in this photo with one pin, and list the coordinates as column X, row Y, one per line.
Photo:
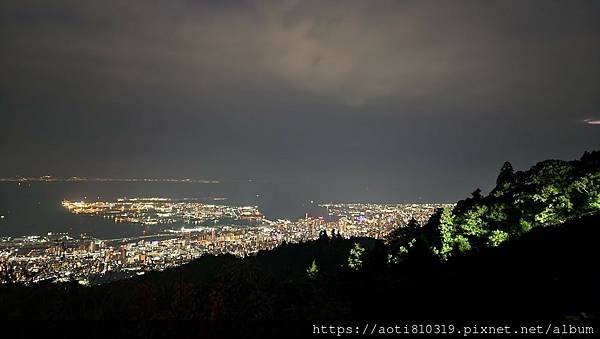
column 548, row 274
column 549, row 193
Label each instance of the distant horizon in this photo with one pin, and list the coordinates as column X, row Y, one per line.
column 217, row 179
column 415, row 98
column 82, row 178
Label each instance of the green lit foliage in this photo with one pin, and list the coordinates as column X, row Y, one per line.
column 471, row 223
column 497, row 213
column 586, row 192
column 447, row 233
column 524, row 226
column 355, row 260
column 313, row 270
column 401, row 239
column 553, row 191
column 497, row 237
column 549, row 193
column 457, row 233
column 593, row 196
column 554, row 204
column 462, row 244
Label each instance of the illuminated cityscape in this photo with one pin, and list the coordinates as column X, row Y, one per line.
column 200, row 229
column 153, row 211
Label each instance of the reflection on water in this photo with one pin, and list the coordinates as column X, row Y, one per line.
column 35, row 208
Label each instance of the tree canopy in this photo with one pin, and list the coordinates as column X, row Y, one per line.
column 549, row 193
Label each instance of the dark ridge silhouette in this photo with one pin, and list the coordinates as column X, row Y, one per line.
column 549, row 274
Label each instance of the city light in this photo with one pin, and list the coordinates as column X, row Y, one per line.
column 201, row 229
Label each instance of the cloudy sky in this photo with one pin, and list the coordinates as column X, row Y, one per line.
column 410, row 98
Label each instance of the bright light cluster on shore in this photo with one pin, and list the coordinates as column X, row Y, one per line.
column 61, row 257
column 163, row 211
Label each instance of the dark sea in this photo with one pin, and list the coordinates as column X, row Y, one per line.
column 34, row 208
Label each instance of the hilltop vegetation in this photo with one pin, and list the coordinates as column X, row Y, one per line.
column 549, row 193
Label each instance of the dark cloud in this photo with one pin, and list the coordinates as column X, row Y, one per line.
column 413, row 92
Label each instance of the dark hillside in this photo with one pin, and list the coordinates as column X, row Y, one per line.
column 547, row 274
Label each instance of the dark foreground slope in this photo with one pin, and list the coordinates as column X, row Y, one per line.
column 549, row 273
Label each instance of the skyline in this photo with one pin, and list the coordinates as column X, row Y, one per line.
column 63, row 256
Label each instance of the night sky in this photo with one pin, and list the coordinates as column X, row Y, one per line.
column 429, row 97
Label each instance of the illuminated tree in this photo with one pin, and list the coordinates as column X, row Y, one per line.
column 524, row 226
column 586, row 192
column 497, row 237
column 593, row 201
column 401, row 239
column 472, row 223
column 446, row 234
column 462, row 244
column 313, row 270
column 497, row 213
column 355, row 260
column 551, row 192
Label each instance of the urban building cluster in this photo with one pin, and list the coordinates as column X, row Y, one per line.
column 377, row 220
column 164, row 211
column 62, row 257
